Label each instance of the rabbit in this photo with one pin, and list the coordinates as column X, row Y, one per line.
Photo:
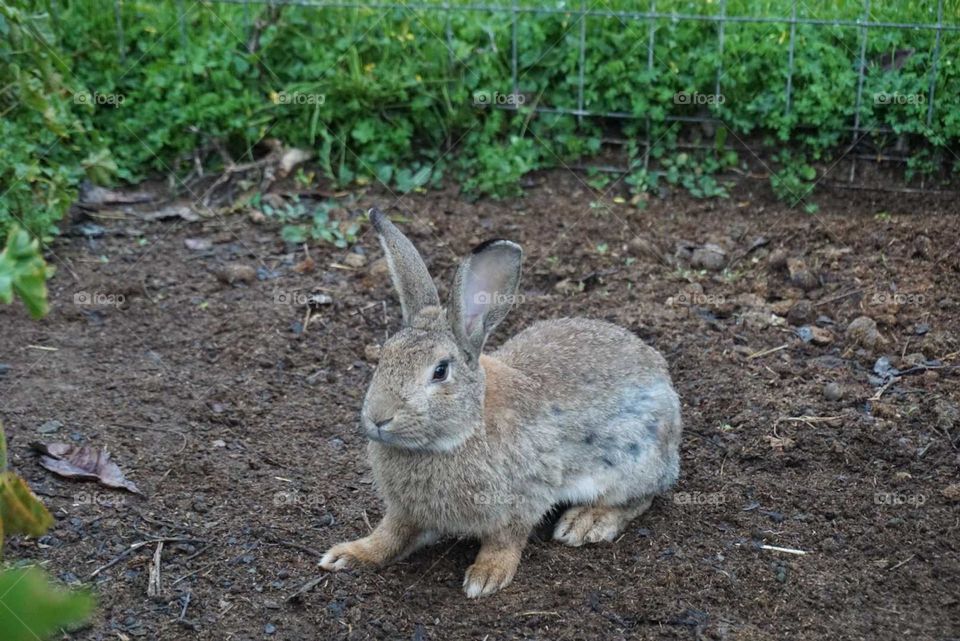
column 571, row 411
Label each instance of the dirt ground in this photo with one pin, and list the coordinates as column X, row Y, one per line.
column 241, row 427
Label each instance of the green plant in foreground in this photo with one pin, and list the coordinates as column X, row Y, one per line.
column 24, row 272
column 30, row 606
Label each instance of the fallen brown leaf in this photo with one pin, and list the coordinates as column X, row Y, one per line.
column 83, row 463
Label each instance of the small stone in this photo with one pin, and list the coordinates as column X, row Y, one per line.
column 269, row 629
column 947, row 414
column 883, row 410
column 197, row 244
column 317, row 300
column 820, row 335
column 922, row 246
column 915, row 359
column 355, row 260
column 800, row 274
column 372, row 353
column 832, row 392
column 219, row 443
column 709, row 256
column 4, row 368
column 233, row 273
column 50, row 427
column 800, row 313
column 379, row 268
column 829, row 544
column 777, row 260
column 863, row 331
column 257, row 217
column 921, row 328
column 951, row 492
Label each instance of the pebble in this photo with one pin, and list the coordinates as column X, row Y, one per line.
column 829, row 544
column 863, row 331
column 50, row 427
column 777, row 259
column 372, row 353
column 832, row 392
column 233, row 273
column 800, row 313
column 269, row 628
column 354, row 259
column 709, row 256
column 820, row 336
column 4, row 369
column 800, row 274
column 951, row 492
column 379, row 268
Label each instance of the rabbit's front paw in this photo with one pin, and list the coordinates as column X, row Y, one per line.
column 351, row 555
column 489, row 574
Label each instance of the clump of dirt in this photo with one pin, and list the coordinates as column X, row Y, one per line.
column 225, row 381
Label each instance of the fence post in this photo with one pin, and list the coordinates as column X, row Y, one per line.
column 651, row 32
column 720, row 26
column 793, row 37
column 860, row 74
column 121, row 43
column 933, row 65
column 181, row 15
column 514, row 81
column 583, row 52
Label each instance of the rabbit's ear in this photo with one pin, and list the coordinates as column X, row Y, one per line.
column 483, row 291
column 407, row 270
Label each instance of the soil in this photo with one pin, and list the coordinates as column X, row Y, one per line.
column 240, row 426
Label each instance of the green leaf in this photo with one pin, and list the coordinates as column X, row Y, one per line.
column 32, row 608
column 21, row 512
column 24, row 272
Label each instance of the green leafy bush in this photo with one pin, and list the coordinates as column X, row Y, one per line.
column 406, row 96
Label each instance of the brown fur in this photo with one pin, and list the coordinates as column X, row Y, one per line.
column 571, row 410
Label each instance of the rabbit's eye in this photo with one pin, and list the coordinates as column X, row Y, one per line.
column 441, row 371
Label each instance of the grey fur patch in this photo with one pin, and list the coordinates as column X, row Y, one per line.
column 608, row 461
column 639, row 402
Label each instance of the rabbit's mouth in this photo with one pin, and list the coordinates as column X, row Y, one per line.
column 412, row 443
column 381, row 433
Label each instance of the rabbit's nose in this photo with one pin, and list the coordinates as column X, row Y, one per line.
column 383, row 423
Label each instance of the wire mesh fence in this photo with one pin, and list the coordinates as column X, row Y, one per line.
column 704, row 105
